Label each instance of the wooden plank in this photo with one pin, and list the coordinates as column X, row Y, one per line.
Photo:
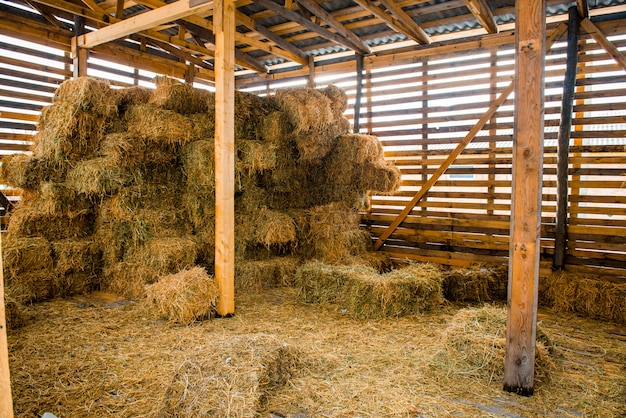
column 394, row 22
column 6, row 400
column 147, row 20
column 601, row 39
column 480, row 9
column 224, row 24
column 519, row 361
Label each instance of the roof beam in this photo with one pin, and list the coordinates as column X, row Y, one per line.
column 177, row 52
column 293, row 16
column 407, row 20
column 393, row 22
column 602, row 40
column 47, row 14
column 481, row 11
column 334, row 23
column 583, row 8
column 172, row 11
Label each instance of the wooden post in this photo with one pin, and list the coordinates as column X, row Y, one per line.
column 569, row 90
column 524, row 246
column 224, row 27
column 79, row 55
column 311, row 79
column 359, row 93
column 6, row 401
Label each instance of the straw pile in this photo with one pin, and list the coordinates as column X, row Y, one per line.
column 473, row 347
column 478, row 283
column 365, row 293
column 121, row 187
column 186, row 296
column 599, row 299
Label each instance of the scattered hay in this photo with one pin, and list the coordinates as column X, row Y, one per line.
column 306, row 109
column 600, row 299
column 87, row 94
column 410, row 290
column 170, row 94
column 256, row 156
column 159, row 125
column 236, row 379
column 277, row 271
column 165, row 255
column 185, row 297
column 473, row 347
column 477, row 283
column 23, row 254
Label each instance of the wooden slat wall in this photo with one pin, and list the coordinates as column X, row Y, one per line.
column 420, row 108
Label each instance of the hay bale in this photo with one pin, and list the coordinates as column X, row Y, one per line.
column 256, row 156
column 378, row 260
column 473, row 346
column 251, row 198
column 76, row 255
column 268, row 227
column 27, row 221
column 477, row 283
column 158, row 125
column 182, row 98
column 595, row 298
column 128, row 151
column 306, row 109
column 88, row 95
column 100, row 176
column 202, row 126
column 383, row 177
column 23, row 254
column 28, row 172
column 199, row 209
column 185, row 297
column 274, row 127
column 338, row 99
column 129, row 279
column 58, row 199
column 252, row 366
column 32, row 285
column 260, row 274
column 411, row 290
column 165, row 255
column 198, row 161
column 130, row 96
column 318, row 282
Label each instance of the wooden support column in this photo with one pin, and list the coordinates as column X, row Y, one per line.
column 224, row 26
column 311, row 79
column 567, row 105
column 6, row 401
column 359, row 93
column 524, row 246
column 79, row 55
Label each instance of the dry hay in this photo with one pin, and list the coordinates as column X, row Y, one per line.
column 306, row 109
column 314, row 146
column 595, row 298
column 411, row 290
column 199, row 208
column 378, row 260
column 180, row 97
column 130, row 151
column 26, row 221
column 57, row 199
column 236, row 379
column 198, row 161
column 31, row 285
column 478, row 283
column 267, row 227
column 76, row 255
column 87, row 95
column 23, row 254
column 202, row 126
column 249, row 111
column 131, row 96
column 14, row 311
column 274, row 127
column 473, row 346
column 67, row 133
column 100, row 176
column 258, row 274
column 185, row 297
column 256, row 156
column 383, row 177
column 159, row 125
column 165, row 255
column 318, row 282
column 251, row 198
column 129, row 279
column 27, row 172
column 338, row 99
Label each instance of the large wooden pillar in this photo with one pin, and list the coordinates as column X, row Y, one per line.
column 6, row 401
column 79, row 55
column 359, row 93
column 224, row 27
column 524, row 246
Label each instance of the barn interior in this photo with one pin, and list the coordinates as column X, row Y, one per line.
column 309, row 208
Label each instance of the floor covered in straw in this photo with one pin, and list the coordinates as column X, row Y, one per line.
column 96, row 356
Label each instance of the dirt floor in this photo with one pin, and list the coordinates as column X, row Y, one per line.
column 97, row 356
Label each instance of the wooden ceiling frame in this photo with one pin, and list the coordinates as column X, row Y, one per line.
column 481, row 11
column 394, row 22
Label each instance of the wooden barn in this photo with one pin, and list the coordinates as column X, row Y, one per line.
column 312, row 208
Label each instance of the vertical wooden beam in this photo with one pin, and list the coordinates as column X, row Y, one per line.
column 569, row 90
column 524, row 246
column 6, row 401
column 311, row 79
column 224, row 27
column 359, row 93
column 190, row 73
column 119, row 10
column 79, row 55
column 425, row 129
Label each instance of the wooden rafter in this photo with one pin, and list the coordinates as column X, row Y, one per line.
column 147, row 20
column 177, row 52
column 583, row 8
column 399, row 13
column 47, row 14
column 334, row 23
column 459, row 149
column 602, row 40
column 481, row 11
column 119, row 9
column 393, row 22
column 293, row 16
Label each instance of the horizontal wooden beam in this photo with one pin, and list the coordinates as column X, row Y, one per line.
column 147, row 20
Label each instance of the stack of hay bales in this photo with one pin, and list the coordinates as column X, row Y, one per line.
column 119, row 191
